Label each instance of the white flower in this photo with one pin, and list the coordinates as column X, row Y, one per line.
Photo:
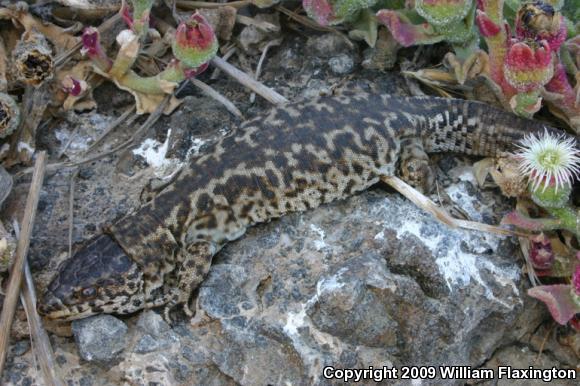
column 549, row 156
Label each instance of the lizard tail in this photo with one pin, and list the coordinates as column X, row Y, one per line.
column 475, row 128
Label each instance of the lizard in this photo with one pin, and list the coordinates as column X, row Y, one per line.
column 294, row 158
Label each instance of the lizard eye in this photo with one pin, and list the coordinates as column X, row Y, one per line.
column 89, row 292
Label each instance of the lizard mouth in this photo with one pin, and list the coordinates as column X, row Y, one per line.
column 51, row 307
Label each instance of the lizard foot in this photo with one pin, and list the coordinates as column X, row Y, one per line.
column 414, row 168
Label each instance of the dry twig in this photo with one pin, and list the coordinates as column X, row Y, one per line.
column 229, row 53
column 272, row 43
column 41, row 343
column 212, row 93
column 440, row 214
column 259, row 88
column 13, row 289
column 111, row 127
column 193, row 5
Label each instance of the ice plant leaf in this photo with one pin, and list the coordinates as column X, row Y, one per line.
column 443, row 12
column 195, row 41
column 487, row 27
column 330, row 12
column 406, row 33
column 559, row 300
column 548, row 158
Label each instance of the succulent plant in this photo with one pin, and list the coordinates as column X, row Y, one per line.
column 523, row 80
column 91, row 42
column 137, row 16
column 194, row 45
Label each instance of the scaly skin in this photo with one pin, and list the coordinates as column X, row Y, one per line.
column 297, row 157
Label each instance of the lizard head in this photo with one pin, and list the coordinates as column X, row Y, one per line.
column 99, row 278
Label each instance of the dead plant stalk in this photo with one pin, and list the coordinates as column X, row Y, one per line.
column 13, row 289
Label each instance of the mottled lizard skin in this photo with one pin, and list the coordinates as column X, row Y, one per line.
column 295, row 158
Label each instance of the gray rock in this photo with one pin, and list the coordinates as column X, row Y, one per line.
column 100, row 338
column 341, row 64
column 158, row 334
column 148, row 343
column 152, row 323
column 523, row 358
column 327, row 45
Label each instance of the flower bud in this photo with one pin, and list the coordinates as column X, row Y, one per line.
column 195, row 42
column 487, row 27
column 73, row 86
column 92, row 48
column 528, row 65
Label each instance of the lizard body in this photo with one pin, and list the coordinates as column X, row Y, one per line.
column 296, row 157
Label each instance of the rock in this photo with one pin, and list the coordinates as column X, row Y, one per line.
column 158, row 335
column 341, row 64
column 523, row 358
column 152, row 323
column 327, row 45
column 20, row 347
column 100, row 338
column 316, row 88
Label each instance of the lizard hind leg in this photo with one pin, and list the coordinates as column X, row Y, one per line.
column 192, row 266
column 414, row 166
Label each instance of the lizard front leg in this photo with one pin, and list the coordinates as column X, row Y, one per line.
column 414, row 165
column 192, row 265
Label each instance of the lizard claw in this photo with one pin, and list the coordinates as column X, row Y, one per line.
column 166, row 316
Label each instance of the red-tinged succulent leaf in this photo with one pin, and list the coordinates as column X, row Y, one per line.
column 320, row 10
column 532, row 224
column 193, row 72
column 559, row 84
column 487, row 27
column 406, row 33
column 576, row 280
column 558, row 298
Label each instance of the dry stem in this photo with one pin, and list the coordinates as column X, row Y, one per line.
column 217, row 96
column 15, row 280
column 259, row 88
column 440, row 214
